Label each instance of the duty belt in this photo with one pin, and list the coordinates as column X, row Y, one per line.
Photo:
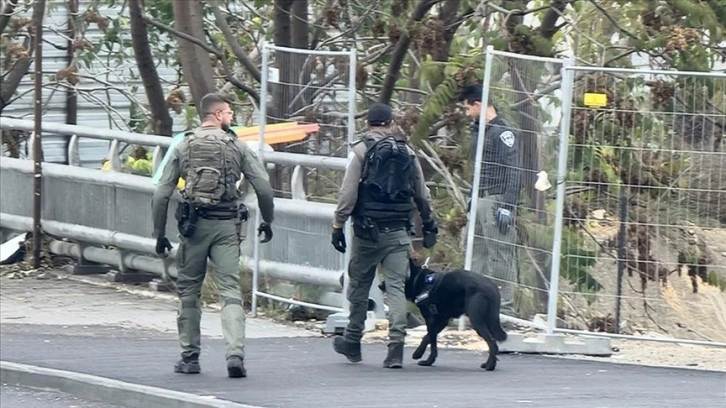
column 222, row 213
column 386, row 226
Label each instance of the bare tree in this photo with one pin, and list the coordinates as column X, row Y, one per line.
column 160, row 118
column 195, row 60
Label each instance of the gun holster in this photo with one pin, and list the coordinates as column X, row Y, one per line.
column 186, row 216
column 365, row 228
column 243, row 213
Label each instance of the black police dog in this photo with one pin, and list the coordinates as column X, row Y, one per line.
column 441, row 296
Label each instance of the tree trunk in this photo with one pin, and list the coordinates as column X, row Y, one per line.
column 160, row 118
column 297, row 72
column 283, row 38
column 11, row 79
column 400, row 51
column 195, row 61
column 71, row 95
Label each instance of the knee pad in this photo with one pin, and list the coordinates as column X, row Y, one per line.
column 231, row 301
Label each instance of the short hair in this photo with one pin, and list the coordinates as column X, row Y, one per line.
column 209, row 103
column 471, row 93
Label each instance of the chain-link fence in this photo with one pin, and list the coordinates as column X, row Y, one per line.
column 308, row 112
column 644, row 213
column 516, row 151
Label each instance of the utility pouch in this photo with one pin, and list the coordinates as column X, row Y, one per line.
column 365, row 229
column 186, row 216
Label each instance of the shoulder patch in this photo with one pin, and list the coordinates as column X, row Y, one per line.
column 507, row 138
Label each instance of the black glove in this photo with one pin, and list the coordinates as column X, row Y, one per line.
column 338, row 240
column 162, row 245
column 430, row 232
column 504, row 219
column 266, row 229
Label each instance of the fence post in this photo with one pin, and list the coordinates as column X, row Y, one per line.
column 474, row 196
column 352, row 67
column 568, row 80
column 474, row 200
column 260, row 148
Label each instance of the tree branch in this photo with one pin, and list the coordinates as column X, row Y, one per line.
column 237, row 50
column 399, row 53
column 7, row 12
column 184, row 36
column 612, row 20
column 549, row 28
column 229, row 75
column 12, row 80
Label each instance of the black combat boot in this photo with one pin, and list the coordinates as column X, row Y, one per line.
column 349, row 349
column 236, row 367
column 394, row 359
column 188, row 365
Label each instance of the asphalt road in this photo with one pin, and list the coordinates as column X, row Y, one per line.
column 304, row 372
column 18, row 397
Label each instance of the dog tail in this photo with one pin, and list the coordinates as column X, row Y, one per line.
column 495, row 325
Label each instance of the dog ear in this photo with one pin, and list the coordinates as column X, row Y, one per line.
column 413, row 265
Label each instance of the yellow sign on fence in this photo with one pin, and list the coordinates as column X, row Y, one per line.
column 595, row 100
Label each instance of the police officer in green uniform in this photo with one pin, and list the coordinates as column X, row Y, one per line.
column 496, row 237
column 382, row 183
column 211, row 160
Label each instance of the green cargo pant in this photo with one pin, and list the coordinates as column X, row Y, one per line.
column 494, row 252
column 220, row 241
column 391, row 251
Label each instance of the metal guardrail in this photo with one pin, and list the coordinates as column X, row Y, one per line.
column 159, row 142
column 106, row 208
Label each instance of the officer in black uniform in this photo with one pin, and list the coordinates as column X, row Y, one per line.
column 495, row 235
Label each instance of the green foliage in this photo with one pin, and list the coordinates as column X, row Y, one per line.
column 576, row 258
column 716, row 280
column 433, row 109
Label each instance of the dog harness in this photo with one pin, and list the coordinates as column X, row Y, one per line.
column 423, row 300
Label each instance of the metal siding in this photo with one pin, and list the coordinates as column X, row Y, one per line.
column 90, row 113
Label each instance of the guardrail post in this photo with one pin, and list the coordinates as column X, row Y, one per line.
column 297, row 187
column 74, row 157
column 114, row 156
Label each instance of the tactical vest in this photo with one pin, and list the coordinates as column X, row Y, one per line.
column 385, row 190
column 210, row 164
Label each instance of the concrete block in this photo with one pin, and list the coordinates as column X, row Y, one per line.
column 556, row 344
column 129, row 277
column 89, row 269
column 162, row 286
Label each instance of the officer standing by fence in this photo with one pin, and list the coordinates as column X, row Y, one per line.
column 496, row 237
column 211, row 160
column 382, row 182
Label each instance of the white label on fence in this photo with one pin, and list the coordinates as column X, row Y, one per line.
column 273, row 75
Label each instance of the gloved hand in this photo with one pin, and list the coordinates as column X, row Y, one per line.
column 504, row 219
column 430, row 233
column 266, row 229
column 338, row 240
column 162, row 245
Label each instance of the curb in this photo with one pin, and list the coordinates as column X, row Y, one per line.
column 105, row 389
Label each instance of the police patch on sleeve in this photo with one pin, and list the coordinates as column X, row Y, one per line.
column 507, row 138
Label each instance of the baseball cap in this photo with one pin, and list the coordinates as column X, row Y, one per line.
column 379, row 114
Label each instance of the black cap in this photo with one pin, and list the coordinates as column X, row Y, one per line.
column 379, row 114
